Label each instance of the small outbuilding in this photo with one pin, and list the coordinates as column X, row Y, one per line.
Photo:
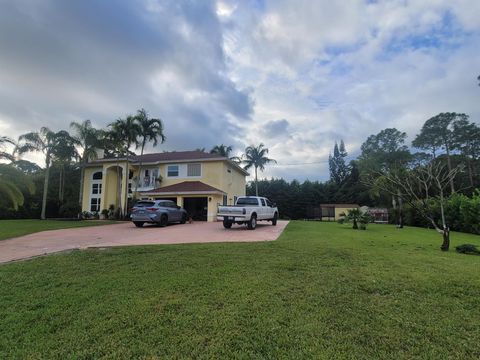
column 333, row 212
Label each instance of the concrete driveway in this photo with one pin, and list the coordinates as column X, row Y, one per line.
column 126, row 234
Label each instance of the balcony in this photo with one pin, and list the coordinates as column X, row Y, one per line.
column 148, row 183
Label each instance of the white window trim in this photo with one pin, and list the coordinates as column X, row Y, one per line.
column 183, row 171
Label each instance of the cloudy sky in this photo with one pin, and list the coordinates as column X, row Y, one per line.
column 295, row 75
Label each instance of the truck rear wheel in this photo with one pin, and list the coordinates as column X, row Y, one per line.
column 227, row 224
column 252, row 224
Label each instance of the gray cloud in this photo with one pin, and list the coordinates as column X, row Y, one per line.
column 71, row 60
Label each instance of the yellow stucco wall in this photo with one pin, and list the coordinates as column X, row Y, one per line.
column 339, row 211
column 214, row 173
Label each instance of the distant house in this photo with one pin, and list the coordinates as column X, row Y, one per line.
column 332, row 212
column 195, row 180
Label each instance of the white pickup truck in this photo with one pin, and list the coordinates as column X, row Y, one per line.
column 248, row 210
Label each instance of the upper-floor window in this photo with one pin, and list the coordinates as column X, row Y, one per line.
column 97, row 175
column 172, row 170
column 194, row 170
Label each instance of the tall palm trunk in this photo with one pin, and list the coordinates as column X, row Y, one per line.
column 127, row 179
column 80, row 192
column 140, row 165
column 256, row 182
column 45, row 188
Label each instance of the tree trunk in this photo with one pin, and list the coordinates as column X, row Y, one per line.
column 446, row 239
column 355, row 225
column 256, row 182
column 139, row 168
column 80, row 192
column 400, row 212
column 45, row 188
column 470, row 172
column 449, row 164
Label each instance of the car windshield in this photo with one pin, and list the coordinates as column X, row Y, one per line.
column 144, row 204
column 247, row 201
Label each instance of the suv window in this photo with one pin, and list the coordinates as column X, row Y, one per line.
column 269, row 203
column 263, row 202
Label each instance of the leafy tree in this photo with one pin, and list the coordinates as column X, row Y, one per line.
column 466, row 139
column 150, row 130
column 339, row 170
column 256, row 156
column 43, row 141
column 437, row 133
column 88, row 139
column 27, row 167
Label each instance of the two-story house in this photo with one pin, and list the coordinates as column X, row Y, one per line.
column 196, row 180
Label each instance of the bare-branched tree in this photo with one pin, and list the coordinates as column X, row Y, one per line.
column 422, row 188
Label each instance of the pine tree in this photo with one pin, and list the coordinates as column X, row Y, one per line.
column 339, row 170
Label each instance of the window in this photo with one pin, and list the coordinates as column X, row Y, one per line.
column 95, row 204
column 194, row 170
column 263, row 202
column 172, row 171
column 129, row 187
column 144, row 204
column 97, row 175
column 269, row 203
column 96, row 189
column 147, row 173
column 224, row 199
column 246, row 201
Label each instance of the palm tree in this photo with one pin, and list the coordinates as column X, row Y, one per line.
column 221, row 149
column 151, row 130
column 63, row 153
column 88, row 139
column 128, row 130
column 3, row 154
column 225, row 151
column 45, row 142
column 256, row 156
column 13, row 184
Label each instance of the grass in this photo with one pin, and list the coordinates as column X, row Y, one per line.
column 321, row 291
column 14, row 228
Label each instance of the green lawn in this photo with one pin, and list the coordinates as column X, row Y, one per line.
column 321, row 291
column 14, row 228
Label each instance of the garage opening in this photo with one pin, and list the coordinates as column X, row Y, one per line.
column 196, row 207
column 174, row 199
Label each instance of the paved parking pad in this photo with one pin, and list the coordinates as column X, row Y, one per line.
column 126, row 234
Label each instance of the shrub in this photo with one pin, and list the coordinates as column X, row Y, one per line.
column 468, row 249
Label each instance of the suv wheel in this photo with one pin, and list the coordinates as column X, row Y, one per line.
column 163, row 221
column 227, row 224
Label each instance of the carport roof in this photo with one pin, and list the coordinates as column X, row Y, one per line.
column 184, row 188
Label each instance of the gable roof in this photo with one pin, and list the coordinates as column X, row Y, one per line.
column 172, row 157
column 186, row 187
column 177, row 156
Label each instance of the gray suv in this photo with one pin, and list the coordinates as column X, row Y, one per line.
column 160, row 212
